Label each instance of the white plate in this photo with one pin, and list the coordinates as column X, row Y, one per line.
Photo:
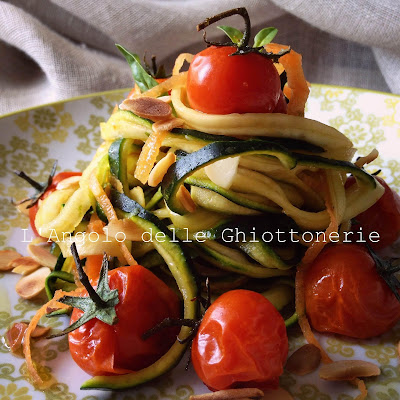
column 68, row 132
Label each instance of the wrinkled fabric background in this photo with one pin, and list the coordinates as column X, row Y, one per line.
column 55, row 49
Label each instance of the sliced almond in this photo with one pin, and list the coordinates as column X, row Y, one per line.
column 6, row 257
column 304, row 360
column 230, row 394
column 24, row 265
column 347, row 370
column 278, row 394
column 168, row 125
column 40, row 252
column 185, row 199
column 160, row 169
column 40, row 331
column 148, row 107
column 32, row 285
column 22, row 207
column 69, row 183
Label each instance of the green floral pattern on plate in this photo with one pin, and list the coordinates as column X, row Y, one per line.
column 69, row 132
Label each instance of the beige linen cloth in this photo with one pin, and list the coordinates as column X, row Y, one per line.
column 55, row 49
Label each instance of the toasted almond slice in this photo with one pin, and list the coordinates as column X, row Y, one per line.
column 40, row 331
column 160, row 169
column 69, row 183
column 148, row 107
column 24, row 265
column 304, row 360
column 185, row 199
column 347, row 370
column 22, row 207
column 40, row 252
column 32, row 285
column 278, row 394
column 6, row 257
column 167, row 125
column 230, row 394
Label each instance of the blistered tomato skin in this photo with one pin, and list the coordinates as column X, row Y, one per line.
column 219, row 83
column 344, row 294
column 241, row 342
column 383, row 217
column 144, row 301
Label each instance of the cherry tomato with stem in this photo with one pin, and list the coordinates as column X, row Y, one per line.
column 383, row 217
column 241, row 342
column 344, row 293
column 221, row 83
column 144, row 301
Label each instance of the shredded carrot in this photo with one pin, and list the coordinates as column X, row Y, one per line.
column 37, row 380
column 93, row 266
column 108, row 209
column 298, row 89
column 148, row 155
column 95, row 224
column 362, row 388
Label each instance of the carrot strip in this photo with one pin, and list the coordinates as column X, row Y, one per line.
column 37, row 380
column 148, row 155
column 108, row 209
column 362, row 388
column 296, row 81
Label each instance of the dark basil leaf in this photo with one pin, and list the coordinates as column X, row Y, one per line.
column 265, row 36
column 234, row 34
column 142, row 78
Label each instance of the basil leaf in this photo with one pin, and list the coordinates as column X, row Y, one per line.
column 265, row 36
column 142, row 78
column 234, row 34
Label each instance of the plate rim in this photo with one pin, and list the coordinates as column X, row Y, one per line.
column 115, row 91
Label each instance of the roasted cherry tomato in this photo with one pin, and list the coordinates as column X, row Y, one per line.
column 219, row 83
column 344, row 293
column 56, row 180
column 144, row 301
column 383, row 217
column 241, row 342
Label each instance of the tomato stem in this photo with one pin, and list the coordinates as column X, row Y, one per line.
column 386, row 271
column 85, row 280
column 243, row 46
column 40, row 187
column 235, row 11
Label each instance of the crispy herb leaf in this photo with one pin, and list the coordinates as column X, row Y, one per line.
column 142, row 78
column 265, row 36
column 234, row 34
column 90, row 308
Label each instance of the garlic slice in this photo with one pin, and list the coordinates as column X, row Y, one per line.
column 223, row 172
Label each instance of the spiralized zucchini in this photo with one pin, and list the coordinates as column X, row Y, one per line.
column 265, row 190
